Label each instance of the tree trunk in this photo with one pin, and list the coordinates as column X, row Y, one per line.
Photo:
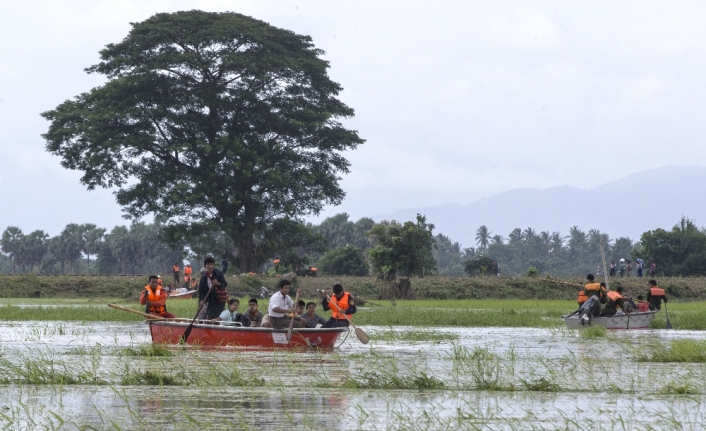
column 88, row 263
column 246, row 254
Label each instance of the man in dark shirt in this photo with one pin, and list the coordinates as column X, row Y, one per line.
column 224, row 264
column 216, row 302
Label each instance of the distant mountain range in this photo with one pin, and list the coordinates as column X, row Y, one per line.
column 647, row 200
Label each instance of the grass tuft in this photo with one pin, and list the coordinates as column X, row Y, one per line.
column 593, row 331
column 682, row 350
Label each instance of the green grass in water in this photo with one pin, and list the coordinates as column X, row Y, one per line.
column 682, row 350
column 593, row 331
column 391, row 335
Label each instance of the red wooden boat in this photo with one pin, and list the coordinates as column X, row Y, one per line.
column 209, row 335
column 182, row 295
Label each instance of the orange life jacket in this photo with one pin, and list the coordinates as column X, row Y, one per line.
column 187, row 270
column 154, row 297
column 343, row 305
column 593, row 289
column 656, row 291
column 176, row 268
column 614, row 296
column 582, row 297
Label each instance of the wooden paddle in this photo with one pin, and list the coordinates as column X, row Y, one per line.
column 669, row 324
column 130, row 310
column 291, row 322
column 362, row 336
column 187, row 332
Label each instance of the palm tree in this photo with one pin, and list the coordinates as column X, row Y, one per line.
column 556, row 243
column 498, row 239
column 483, row 238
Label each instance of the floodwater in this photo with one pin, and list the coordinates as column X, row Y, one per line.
column 469, row 378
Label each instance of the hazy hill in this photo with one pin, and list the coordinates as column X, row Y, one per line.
column 626, row 207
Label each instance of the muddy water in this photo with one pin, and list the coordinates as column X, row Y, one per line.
column 594, row 384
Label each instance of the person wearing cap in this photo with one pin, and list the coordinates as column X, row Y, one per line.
column 342, row 306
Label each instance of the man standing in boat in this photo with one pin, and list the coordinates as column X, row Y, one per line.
column 655, row 296
column 154, row 298
column 281, row 307
column 594, row 289
column 341, row 305
column 216, row 301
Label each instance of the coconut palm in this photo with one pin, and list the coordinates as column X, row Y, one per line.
column 556, row 243
column 483, row 238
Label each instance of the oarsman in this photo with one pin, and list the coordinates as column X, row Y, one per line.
column 281, row 307
column 216, row 302
column 615, row 300
column 341, row 304
column 594, row 289
column 154, row 298
column 655, row 296
column 177, row 272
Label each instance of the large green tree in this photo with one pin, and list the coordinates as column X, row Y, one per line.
column 403, row 250
column 681, row 251
column 216, row 121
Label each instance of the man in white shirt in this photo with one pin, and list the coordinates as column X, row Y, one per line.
column 281, row 305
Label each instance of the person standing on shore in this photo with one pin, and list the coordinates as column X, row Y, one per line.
column 177, row 273
column 653, row 269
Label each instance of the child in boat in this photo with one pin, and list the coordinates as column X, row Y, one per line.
column 232, row 315
column 253, row 314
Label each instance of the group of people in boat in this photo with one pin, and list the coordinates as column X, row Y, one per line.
column 595, row 301
column 213, row 297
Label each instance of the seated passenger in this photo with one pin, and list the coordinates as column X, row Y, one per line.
column 313, row 320
column 232, row 315
column 154, row 298
column 299, row 311
column 253, row 314
column 615, row 300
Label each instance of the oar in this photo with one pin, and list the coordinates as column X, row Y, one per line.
column 187, row 332
column 669, row 324
column 362, row 336
column 291, row 322
column 130, row 310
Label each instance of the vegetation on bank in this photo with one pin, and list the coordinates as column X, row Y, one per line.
column 368, row 288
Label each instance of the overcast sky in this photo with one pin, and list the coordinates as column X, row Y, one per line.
column 457, row 100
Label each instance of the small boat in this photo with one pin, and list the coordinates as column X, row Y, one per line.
column 206, row 334
column 619, row 320
column 182, row 295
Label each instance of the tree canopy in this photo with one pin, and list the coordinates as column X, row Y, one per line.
column 217, row 122
column 679, row 252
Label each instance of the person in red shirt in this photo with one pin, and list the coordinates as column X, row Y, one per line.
column 154, row 298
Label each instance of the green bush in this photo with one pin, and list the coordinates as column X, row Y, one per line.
column 346, row 260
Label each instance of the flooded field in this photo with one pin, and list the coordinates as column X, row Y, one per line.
column 70, row 375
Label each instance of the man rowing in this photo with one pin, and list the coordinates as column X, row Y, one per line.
column 216, row 301
column 656, row 295
column 341, row 304
column 281, row 306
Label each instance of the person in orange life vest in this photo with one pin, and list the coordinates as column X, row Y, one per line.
column 216, row 302
column 187, row 276
column 595, row 289
column 642, row 305
column 177, row 272
column 154, row 298
column 345, row 303
column 655, row 296
column 615, row 300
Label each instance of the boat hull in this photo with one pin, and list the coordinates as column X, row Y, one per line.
column 206, row 335
column 185, row 295
column 617, row 321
